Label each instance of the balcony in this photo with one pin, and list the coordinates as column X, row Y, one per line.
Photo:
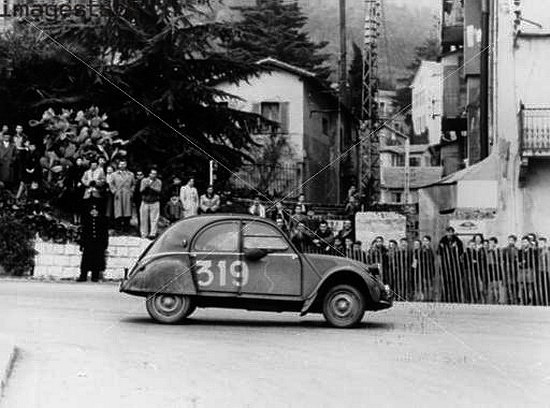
column 534, row 131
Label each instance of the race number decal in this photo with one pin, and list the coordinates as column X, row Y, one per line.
column 237, row 269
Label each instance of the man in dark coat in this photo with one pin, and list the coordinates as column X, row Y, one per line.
column 7, row 159
column 94, row 241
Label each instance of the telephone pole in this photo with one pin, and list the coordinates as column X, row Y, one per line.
column 342, row 94
column 370, row 153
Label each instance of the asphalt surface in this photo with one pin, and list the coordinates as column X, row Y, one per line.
column 86, row 345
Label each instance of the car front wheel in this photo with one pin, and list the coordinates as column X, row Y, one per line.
column 343, row 306
column 169, row 309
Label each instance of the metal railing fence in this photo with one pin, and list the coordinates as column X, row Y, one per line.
column 479, row 276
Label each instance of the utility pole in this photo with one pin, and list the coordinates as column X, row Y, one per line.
column 370, row 153
column 484, row 81
column 342, row 95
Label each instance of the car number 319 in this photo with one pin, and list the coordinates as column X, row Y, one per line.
column 238, row 272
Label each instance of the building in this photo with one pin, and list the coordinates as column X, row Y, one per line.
column 395, row 175
column 311, row 121
column 427, row 101
column 508, row 191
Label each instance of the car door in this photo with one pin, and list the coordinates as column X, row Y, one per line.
column 279, row 272
column 216, row 258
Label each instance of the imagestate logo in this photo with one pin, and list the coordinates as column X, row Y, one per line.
column 53, row 11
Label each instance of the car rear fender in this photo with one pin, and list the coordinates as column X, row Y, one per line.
column 354, row 276
column 162, row 273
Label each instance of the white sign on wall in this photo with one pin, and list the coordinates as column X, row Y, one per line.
column 388, row 225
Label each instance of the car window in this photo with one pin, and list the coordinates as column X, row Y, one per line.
column 272, row 243
column 222, row 237
column 260, row 229
column 263, row 236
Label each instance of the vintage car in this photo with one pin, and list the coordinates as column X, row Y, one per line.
column 247, row 262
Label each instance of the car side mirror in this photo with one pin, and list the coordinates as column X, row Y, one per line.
column 254, row 254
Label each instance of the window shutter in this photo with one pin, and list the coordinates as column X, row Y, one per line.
column 284, row 117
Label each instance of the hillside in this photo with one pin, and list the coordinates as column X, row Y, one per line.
column 407, row 24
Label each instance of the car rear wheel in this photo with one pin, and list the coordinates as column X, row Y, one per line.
column 343, row 306
column 169, row 308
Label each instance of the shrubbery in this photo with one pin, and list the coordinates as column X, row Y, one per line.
column 16, row 246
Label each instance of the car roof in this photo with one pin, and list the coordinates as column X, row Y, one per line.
column 170, row 240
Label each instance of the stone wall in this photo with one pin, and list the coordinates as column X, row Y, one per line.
column 58, row 261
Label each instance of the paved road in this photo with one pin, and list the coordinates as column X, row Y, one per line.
column 88, row 346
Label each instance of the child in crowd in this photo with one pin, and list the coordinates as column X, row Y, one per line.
column 173, row 210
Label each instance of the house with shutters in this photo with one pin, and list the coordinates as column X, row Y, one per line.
column 312, row 131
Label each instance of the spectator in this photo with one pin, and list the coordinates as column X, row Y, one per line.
column 348, row 247
column 533, row 239
column 427, row 242
column 496, row 289
column 347, row 231
column 323, row 237
column 173, row 189
column 312, row 224
column 108, row 194
column 5, row 129
column 451, row 244
column 122, row 187
column 94, row 242
column 352, row 194
column 151, row 188
column 352, row 207
column 282, row 225
column 173, row 210
column 210, row 202
column 526, row 275
column 73, row 180
column 228, row 206
column 280, row 212
column 257, row 208
column 189, row 199
column 299, row 216
column 403, row 244
column 543, row 243
column 478, row 240
column 30, row 167
column 93, row 180
column 392, row 245
column 137, row 196
column 302, row 203
column 300, row 238
column 337, row 247
column 7, row 159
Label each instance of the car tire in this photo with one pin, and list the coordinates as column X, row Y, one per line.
column 169, row 309
column 343, row 306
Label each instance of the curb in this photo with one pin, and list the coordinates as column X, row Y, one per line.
column 7, row 363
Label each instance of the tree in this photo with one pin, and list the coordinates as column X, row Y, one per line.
column 153, row 67
column 273, row 28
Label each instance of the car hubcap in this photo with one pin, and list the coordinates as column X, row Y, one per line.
column 343, row 305
column 168, row 305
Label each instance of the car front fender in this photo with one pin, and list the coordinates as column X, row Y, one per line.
column 342, row 275
column 165, row 273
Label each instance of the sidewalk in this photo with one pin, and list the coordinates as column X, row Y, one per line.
column 7, row 359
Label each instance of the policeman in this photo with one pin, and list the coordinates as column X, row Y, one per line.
column 94, row 241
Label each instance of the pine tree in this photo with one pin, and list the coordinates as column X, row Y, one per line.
column 273, row 28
